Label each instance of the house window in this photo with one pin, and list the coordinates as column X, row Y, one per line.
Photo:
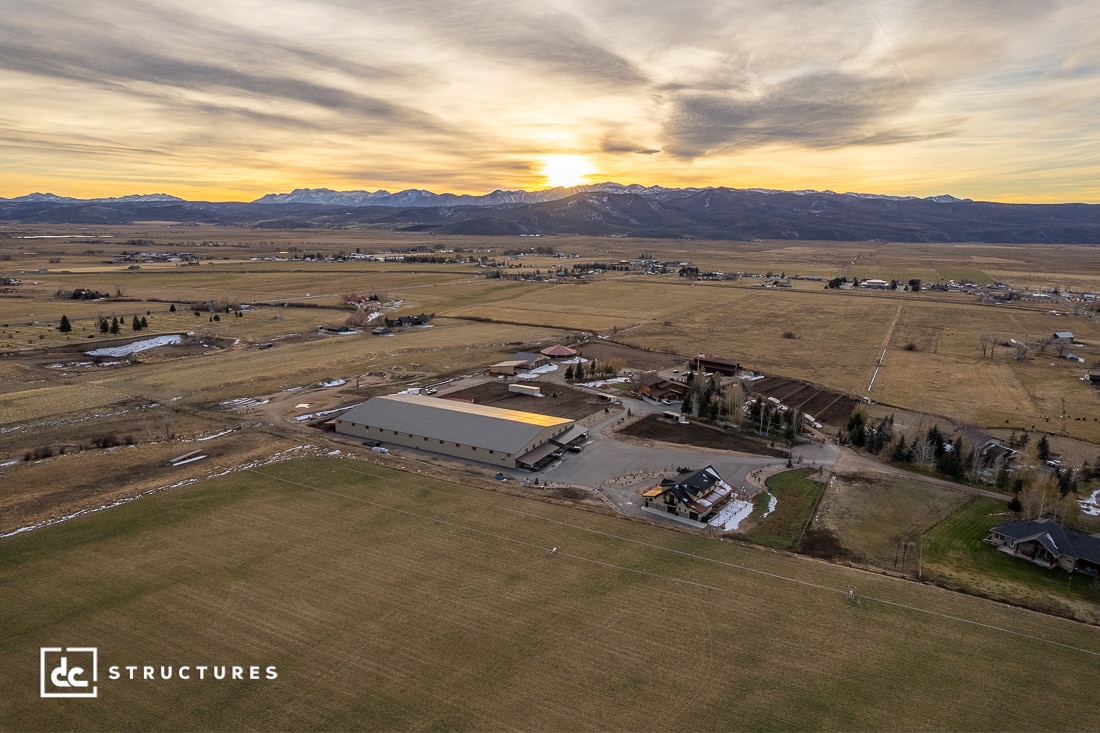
column 490, row 453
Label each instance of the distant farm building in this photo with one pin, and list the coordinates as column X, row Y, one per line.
column 655, row 387
column 558, row 351
column 508, row 438
column 696, row 495
column 1049, row 544
column 1063, row 336
column 990, row 450
column 508, row 367
column 409, row 321
column 531, row 361
column 718, row 366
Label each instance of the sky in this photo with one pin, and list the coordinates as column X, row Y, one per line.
column 995, row 100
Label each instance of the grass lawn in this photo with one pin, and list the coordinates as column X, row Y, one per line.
column 955, row 555
column 390, row 601
column 879, row 520
column 797, row 496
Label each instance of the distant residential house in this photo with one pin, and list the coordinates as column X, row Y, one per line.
column 652, row 385
column 1048, row 544
column 990, row 449
column 696, row 495
column 336, row 329
column 408, row 321
column 1064, row 336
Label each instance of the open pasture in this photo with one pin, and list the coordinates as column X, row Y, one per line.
column 391, row 601
column 879, row 520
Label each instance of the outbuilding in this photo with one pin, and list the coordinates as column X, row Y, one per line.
column 509, row 438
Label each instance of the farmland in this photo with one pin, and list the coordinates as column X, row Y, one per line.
column 357, row 577
column 392, row 601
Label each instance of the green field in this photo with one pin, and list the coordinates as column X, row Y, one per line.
column 956, row 556
column 796, row 498
column 389, row 601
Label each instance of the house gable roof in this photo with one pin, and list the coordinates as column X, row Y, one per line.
column 1055, row 538
column 701, row 491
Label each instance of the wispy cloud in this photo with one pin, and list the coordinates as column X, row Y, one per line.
column 262, row 94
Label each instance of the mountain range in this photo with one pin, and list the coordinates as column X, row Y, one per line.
column 604, row 209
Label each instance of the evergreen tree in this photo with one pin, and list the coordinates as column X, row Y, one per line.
column 935, row 439
column 144, row 323
column 172, row 308
column 136, row 325
column 114, row 325
column 951, row 462
column 569, row 372
column 1042, row 449
column 857, row 429
column 103, row 326
column 900, row 453
column 65, row 326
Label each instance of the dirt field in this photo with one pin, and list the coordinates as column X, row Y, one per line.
column 655, row 427
column 633, row 358
column 827, row 406
column 879, row 521
column 560, row 401
column 391, row 601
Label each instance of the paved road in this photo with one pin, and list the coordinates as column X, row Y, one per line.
column 620, row 470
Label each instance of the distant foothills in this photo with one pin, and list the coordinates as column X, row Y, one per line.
column 602, row 209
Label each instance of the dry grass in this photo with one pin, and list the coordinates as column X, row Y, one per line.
column 391, row 601
column 876, row 518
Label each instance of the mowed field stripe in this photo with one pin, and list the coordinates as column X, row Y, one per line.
column 380, row 616
column 558, row 552
column 553, row 551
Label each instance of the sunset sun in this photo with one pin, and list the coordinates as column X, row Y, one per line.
column 566, row 170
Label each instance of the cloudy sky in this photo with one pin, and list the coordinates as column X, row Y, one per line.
column 986, row 99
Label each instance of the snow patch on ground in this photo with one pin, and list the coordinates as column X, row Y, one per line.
column 574, row 360
column 137, row 346
column 534, row 373
column 332, row 383
column 1091, row 505
column 216, row 435
column 604, row 382
column 731, row 515
column 276, row 458
column 242, row 403
column 322, row 413
column 772, row 501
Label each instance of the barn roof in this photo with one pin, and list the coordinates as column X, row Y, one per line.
column 559, row 350
column 493, row 428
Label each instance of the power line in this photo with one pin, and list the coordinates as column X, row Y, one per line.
column 723, row 563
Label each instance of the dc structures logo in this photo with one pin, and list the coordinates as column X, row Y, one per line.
column 71, row 671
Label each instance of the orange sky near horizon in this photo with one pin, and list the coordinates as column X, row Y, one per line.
column 989, row 99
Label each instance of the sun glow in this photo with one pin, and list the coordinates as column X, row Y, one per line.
column 566, row 170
